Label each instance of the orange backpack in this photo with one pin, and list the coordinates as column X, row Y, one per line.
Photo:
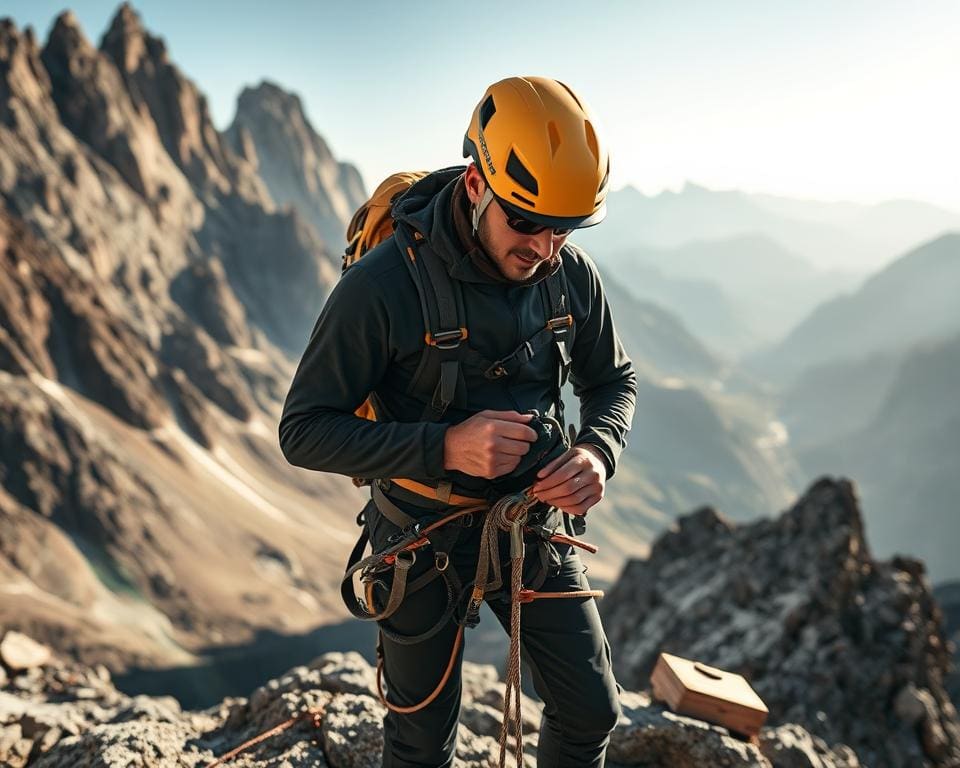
column 372, row 222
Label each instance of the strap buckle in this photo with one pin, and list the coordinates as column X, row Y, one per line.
column 524, row 354
column 411, row 531
column 555, row 323
column 446, row 339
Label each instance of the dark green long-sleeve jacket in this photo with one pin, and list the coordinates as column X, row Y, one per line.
column 369, row 338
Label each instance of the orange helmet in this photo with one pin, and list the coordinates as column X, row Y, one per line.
column 535, row 142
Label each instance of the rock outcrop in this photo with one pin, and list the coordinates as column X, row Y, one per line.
column 850, row 648
column 62, row 715
column 151, row 299
column 948, row 596
column 272, row 129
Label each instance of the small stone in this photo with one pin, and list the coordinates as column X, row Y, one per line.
column 21, row 652
column 14, row 749
column 911, row 704
column 934, row 740
column 49, row 740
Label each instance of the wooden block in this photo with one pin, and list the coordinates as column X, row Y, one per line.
column 723, row 698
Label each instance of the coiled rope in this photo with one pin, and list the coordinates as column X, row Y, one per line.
column 508, row 514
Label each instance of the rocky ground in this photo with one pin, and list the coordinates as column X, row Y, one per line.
column 56, row 714
column 852, row 648
column 948, row 596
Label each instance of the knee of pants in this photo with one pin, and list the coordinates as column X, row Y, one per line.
column 594, row 717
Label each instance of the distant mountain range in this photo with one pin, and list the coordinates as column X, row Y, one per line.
column 737, row 293
column 830, row 236
column 742, row 270
column 866, row 385
column 911, row 300
column 905, row 459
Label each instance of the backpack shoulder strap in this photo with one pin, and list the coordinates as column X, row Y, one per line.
column 559, row 324
column 441, row 301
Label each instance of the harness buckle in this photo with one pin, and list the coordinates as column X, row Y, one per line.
column 555, row 323
column 495, row 371
column 446, row 339
column 441, row 560
column 412, row 553
column 411, row 531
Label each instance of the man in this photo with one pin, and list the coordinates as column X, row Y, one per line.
column 447, row 428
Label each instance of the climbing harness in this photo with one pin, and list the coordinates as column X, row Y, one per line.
column 510, row 514
column 515, row 514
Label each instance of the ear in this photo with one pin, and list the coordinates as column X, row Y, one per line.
column 473, row 180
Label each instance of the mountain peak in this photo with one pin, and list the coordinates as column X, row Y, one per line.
column 269, row 96
column 127, row 41
column 21, row 72
column 295, row 161
column 67, row 33
column 692, row 188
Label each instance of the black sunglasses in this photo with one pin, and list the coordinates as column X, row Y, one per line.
column 527, row 227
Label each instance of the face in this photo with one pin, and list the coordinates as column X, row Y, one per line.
column 515, row 254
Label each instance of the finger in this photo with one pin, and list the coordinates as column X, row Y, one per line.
column 505, row 445
column 582, row 508
column 515, row 431
column 567, row 491
column 548, row 468
column 505, row 466
column 558, row 476
column 521, row 418
column 578, row 504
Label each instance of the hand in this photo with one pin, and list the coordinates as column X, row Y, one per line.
column 574, row 481
column 488, row 444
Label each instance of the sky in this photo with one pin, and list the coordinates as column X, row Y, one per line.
column 817, row 99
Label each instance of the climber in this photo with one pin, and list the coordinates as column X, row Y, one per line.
column 434, row 372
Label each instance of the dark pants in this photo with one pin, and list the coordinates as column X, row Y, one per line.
column 563, row 646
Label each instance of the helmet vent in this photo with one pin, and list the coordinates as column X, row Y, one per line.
column 554, row 137
column 606, row 178
column 486, row 112
column 591, row 139
column 522, row 199
column 517, row 171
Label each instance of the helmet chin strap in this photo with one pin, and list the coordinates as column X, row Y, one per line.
column 476, row 211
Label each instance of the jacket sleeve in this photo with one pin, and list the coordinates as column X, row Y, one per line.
column 346, row 357
column 601, row 373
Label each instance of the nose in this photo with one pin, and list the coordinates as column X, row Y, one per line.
column 543, row 243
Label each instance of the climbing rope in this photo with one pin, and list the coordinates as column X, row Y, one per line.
column 509, row 514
